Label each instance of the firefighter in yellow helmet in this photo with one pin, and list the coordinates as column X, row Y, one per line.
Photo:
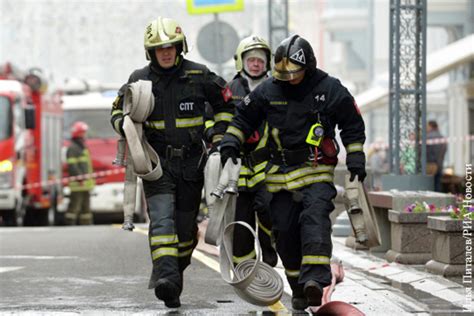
column 252, row 62
column 79, row 165
column 185, row 94
column 302, row 105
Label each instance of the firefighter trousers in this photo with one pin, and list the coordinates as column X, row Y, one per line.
column 303, row 233
column 79, row 211
column 173, row 204
column 252, row 206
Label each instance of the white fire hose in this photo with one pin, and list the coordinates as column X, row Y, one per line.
column 138, row 105
column 253, row 280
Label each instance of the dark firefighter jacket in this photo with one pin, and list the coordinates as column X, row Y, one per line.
column 78, row 164
column 290, row 112
column 254, row 154
column 179, row 116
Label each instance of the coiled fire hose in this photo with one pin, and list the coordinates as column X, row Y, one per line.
column 138, row 105
column 253, row 280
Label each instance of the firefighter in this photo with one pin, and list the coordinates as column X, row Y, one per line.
column 252, row 62
column 79, row 164
column 302, row 105
column 184, row 93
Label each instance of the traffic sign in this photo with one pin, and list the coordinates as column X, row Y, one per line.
column 213, row 6
column 217, row 42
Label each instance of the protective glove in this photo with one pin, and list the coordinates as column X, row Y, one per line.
column 359, row 172
column 356, row 165
column 229, row 152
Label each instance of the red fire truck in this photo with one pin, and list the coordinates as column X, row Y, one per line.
column 31, row 123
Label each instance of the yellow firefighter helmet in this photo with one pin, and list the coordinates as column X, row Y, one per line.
column 164, row 32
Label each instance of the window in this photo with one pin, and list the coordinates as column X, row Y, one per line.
column 98, row 121
column 5, row 118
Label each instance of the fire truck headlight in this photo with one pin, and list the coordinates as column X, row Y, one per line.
column 6, row 166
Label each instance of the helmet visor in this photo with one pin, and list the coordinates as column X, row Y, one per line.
column 285, row 70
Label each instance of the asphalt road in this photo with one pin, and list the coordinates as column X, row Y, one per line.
column 100, row 269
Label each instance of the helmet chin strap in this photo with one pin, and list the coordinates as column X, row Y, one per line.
column 252, row 80
column 249, row 76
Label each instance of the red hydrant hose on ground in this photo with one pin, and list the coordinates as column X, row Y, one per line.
column 338, row 308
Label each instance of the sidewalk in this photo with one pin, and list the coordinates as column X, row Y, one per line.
column 407, row 288
column 377, row 287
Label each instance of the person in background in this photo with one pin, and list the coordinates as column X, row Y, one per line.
column 377, row 161
column 435, row 151
column 182, row 91
column 302, row 105
column 79, row 165
column 252, row 62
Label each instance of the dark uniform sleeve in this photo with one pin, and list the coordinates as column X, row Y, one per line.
column 216, row 94
column 351, row 124
column 117, row 106
column 249, row 115
column 117, row 111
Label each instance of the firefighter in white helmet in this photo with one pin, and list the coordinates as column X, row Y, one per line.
column 252, row 62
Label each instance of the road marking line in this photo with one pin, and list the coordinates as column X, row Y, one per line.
column 36, row 257
column 214, row 265
column 8, row 269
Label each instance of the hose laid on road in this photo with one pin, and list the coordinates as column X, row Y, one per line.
column 253, row 280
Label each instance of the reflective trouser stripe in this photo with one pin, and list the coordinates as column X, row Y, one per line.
column 354, row 147
column 292, row 273
column 238, row 260
column 316, row 260
column 163, row 240
column 185, row 244
column 165, row 251
column 185, row 253
column 266, row 230
column 69, row 215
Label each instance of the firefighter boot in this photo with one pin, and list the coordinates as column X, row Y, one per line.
column 313, row 293
column 299, row 303
column 298, row 300
column 167, row 292
column 355, row 211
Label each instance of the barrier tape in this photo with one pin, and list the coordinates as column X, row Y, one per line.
column 94, row 175
column 66, row 180
column 433, row 141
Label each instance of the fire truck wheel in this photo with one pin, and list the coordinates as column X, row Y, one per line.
column 9, row 218
column 36, row 217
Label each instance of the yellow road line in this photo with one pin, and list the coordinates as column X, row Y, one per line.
column 213, row 264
